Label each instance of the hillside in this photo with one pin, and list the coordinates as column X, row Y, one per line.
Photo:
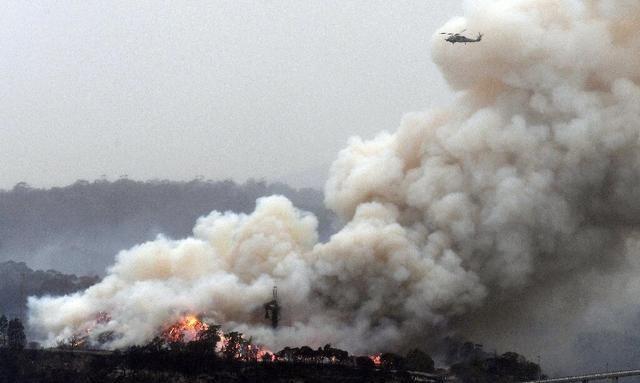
column 79, row 228
column 17, row 282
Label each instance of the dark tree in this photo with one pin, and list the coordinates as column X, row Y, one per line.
column 334, row 354
column 233, row 344
column 267, row 357
column 286, row 354
column 248, row 351
column 365, row 363
column 4, row 324
column 306, row 354
column 156, row 344
column 418, row 360
column 206, row 340
column 513, row 364
column 391, row 361
column 508, row 367
column 74, row 342
column 15, row 335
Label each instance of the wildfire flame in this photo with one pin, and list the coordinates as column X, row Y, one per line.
column 265, row 355
column 185, row 330
column 260, row 353
column 222, row 344
column 189, row 328
column 376, row 359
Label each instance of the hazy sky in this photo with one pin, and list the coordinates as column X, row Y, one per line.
column 223, row 89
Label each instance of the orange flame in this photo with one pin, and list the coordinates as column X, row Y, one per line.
column 265, row 355
column 222, row 343
column 186, row 330
column 248, row 351
column 376, row 359
column 189, row 328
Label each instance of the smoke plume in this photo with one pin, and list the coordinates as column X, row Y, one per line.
column 510, row 216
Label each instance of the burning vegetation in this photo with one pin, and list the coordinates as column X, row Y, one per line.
column 191, row 331
column 190, row 349
column 187, row 329
column 376, row 359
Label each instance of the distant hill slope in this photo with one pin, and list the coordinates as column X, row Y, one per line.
column 17, row 282
column 79, row 228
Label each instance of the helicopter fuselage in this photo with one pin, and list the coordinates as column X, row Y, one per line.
column 457, row 38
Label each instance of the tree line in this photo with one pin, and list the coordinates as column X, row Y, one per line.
column 12, row 334
column 17, row 282
column 215, row 353
column 80, row 227
column 470, row 363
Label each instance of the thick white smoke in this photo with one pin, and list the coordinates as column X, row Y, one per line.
column 514, row 208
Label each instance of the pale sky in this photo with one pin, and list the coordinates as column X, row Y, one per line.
column 220, row 89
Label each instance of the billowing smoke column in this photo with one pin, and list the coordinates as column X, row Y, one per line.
column 508, row 215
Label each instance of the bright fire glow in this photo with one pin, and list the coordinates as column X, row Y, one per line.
column 265, row 355
column 248, row 351
column 376, row 359
column 186, row 330
column 189, row 327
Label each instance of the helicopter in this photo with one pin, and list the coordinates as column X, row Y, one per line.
column 459, row 38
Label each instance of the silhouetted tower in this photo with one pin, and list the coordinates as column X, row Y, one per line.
column 272, row 309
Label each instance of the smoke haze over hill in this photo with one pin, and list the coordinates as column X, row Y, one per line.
column 79, row 228
column 17, row 282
